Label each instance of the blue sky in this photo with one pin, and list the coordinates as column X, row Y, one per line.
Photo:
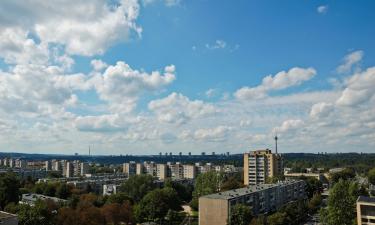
column 143, row 77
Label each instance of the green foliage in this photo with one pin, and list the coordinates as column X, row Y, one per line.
column 118, row 198
column 341, row 204
column 278, row 218
column 313, row 186
column 205, row 184
column 231, row 183
column 63, row 191
column 136, row 187
column 184, row 191
column 35, row 215
column 155, row 205
column 346, row 174
column 9, row 189
column 371, row 176
column 314, row 203
column 240, row 215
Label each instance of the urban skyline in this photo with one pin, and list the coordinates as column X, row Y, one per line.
column 143, row 77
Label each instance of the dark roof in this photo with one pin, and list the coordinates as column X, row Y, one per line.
column 365, row 199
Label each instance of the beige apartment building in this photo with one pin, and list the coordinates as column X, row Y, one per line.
column 215, row 209
column 260, row 165
column 365, row 210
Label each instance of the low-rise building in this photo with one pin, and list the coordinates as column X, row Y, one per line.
column 31, row 198
column 262, row 198
column 365, row 210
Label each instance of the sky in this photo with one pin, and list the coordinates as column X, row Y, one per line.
column 148, row 76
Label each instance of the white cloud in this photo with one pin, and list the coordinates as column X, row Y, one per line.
column 288, row 126
column 210, row 93
column 322, row 9
column 102, row 123
column 177, row 108
column 349, row 61
column 321, row 109
column 83, row 27
column 17, row 48
column 121, row 85
column 212, row 134
column 281, row 80
column 219, row 44
column 359, row 89
column 98, row 64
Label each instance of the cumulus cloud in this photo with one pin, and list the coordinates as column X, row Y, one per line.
column 281, row 80
column 288, row 126
column 321, row 109
column 349, row 61
column 83, row 27
column 177, row 108
column 359, row 88
column 322, row 9
column 98, row 64
column 218, row 133
column 102, row 123
column 121, row 85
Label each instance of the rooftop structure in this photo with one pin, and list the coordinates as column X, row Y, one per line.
column 31, row 198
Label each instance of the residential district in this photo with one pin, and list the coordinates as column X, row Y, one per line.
column 263, row 190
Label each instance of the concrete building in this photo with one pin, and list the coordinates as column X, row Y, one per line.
column 161, row 171
column 260, row 165
column 365, row 210
column 30, row 199
column 129, row 168
column 110, row 189
column 84, row 168
column 8, row 219
column 176, row 171
column 140, row 168
column 190, row 171
column 262, row 198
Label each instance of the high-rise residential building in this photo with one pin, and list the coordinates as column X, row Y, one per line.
column 84, row 168
column 69, row 169
column 260, row 165
column 47, row 165
column 129, row 168
column 261, row 198
column 190, row 171
column 365, row 210
column 161, row 171
column 176, row 171
column 140, row 168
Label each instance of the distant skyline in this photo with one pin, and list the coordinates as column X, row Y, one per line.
column 150, row 76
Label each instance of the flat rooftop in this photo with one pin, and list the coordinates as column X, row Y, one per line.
column 366, row 199
column 247, row 190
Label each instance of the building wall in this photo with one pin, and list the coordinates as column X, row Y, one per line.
column 213, row 211
column 246, row 168
column 365, row 213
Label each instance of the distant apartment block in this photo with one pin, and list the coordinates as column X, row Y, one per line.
column 365, row 210
column 262, row 198
column 260, row 165
column 30, row 199
column 175, row 171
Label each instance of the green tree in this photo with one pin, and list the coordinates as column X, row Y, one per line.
column 118, row 198
column 63, row 191
column 346, row 174
column 231, row 183
column 278, row 218
column 313, row 186
column 371, row 176
column 314, row 203
column 155, row 205
column 9, row 189
column 240, row 215
column 341, row 205
column 205, row 184
column 138, row 186
column 184, row 192
column 35, row 215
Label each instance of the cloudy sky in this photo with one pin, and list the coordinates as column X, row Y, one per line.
column 150, row 76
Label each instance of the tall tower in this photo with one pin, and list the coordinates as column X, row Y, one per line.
column 276, row 143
